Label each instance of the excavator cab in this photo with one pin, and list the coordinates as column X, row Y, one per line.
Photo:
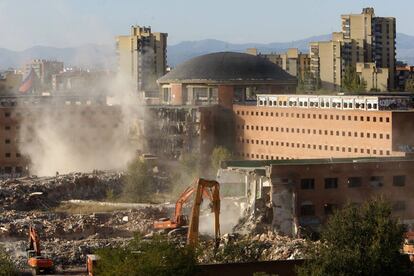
column 180, row 220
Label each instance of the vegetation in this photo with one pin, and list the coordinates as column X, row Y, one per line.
column 308, row 82
column 138, row 183
column 409, row 85
column 190, row 163
column 360, row 240
column 219, row 154
column 87, row 208
column 7, row 268
column 147, row 257
column 351, row 82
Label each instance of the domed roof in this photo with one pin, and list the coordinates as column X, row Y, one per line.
column 225, row 67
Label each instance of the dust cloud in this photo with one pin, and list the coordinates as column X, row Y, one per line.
column 83, row 136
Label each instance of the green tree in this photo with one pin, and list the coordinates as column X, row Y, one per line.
column 138, row 182
column 219, row 154
column 7, row 268
column 351, row 82
column 360, row 240
column 157, row 256
column 409, row 84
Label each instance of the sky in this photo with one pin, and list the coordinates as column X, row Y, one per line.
column 69, row 23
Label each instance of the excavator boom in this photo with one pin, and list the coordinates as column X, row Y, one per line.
column 179, row 220
column 213, row 187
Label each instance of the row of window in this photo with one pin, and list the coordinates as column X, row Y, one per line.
column 308, row 209
column 316, row 116
column 315, row 147
column 9, row 155
column 11, row 170
column 276, row 157
column 352, row 182
column 315, row 131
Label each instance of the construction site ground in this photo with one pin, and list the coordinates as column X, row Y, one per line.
column 73, row 219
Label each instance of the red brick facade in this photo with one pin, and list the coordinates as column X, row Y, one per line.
column 294, row 133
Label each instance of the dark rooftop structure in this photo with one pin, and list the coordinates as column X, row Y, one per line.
column 224, row 67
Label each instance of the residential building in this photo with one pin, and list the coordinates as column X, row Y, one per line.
column 326, row 63
column 405, row 77
column 375, row 79
column 292, row 61
column 142, row 59
column 10, row 81
column 44, row 70
column 364, row 38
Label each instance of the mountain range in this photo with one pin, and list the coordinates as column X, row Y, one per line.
column 104, row 56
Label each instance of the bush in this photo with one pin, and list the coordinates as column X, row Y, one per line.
column 138, row 182
column 7, row 268
column 219, row 154
column 153, row 257
column 360, row 240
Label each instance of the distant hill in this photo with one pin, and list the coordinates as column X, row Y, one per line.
column 89, row 55
column 103, row 56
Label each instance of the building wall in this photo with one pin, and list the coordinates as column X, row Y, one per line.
column 376, row 79
column 293, row 133
column 96, row 121
column 142, row 58
column 375, row 179
column 363, row 38
column 10, row 82
column 326, row 63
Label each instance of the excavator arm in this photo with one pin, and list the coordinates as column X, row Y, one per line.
column 178, row 220
column 34, row 242
column 202, row 186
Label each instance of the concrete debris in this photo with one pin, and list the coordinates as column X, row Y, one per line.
column 64, row 253
column 67, row 237
column 30, row 193
column 261, row 247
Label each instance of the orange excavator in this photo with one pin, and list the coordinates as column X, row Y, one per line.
column 408, row 246
column 213, row 187
column 202, row 188
column 179, row 219
column 38, row 263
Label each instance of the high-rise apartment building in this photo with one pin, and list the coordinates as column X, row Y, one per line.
column 364, row 38
column 292, row 61
column 378, row 34
column 142, row 58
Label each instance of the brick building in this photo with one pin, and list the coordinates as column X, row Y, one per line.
column 311, row 126
column 196, row 104
column 223, row 78
column 304, row 192
column 84, row 121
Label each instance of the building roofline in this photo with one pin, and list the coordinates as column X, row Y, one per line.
column 230, row 82
column 322, row 161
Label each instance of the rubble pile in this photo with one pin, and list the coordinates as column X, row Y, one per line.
column 15, row 224
column 67, row 237
column 261, row 247
column 30, row 193
column 63, row 252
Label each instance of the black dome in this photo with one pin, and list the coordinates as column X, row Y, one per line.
column 227, row 67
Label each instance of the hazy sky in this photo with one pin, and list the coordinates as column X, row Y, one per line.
column 64, row 23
